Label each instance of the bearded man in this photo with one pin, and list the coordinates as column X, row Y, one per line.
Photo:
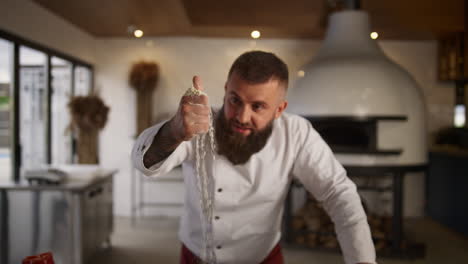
column 260, row 149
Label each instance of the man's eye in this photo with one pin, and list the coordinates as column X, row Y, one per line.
column 257, row 107
column 234, row 100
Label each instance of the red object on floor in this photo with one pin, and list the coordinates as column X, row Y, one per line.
column 47, row 257
column 33, row 260
column 275, row 256
column 44, row 258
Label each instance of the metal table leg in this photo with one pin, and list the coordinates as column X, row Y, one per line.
column 5, row 236
column 397, row 220
column 132, row 193
column 287, row 216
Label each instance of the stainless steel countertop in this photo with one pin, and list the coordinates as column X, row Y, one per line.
column 73, row 183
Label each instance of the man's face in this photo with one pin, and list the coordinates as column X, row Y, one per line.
column 245, row 122
column 250, row 108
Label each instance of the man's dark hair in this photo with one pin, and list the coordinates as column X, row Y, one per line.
column 259, row 67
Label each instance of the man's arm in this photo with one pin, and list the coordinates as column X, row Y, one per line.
column 164, row 143
column 322, row 175
column 192, row 118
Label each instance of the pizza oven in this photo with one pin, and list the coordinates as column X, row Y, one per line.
column 367, row 107
column 371, row 113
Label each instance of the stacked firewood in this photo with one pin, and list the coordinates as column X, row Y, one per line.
column 313, row 227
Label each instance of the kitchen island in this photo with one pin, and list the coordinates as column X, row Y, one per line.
column 72, row 219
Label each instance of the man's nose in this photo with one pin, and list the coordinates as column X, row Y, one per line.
column 243, row 115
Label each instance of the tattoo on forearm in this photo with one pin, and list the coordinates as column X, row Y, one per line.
column 162, row 146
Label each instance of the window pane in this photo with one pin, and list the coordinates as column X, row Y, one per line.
column 33, row 108
column 6, row 125
column 61, row 92
column 82, row 81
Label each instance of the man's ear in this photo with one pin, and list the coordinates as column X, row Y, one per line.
column 225, row 86
column 281, row 107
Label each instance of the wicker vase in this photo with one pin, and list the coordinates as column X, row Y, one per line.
column 87, row 147
column 89, row 115
column 144, row 108
column 143, row 78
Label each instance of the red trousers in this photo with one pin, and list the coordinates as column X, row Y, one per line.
column 275, row 256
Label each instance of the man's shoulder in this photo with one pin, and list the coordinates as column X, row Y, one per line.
column 297, row 126
column 293, row 121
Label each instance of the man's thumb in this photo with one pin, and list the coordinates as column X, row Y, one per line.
column 197, row 84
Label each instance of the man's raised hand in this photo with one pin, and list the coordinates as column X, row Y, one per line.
column 193, row 115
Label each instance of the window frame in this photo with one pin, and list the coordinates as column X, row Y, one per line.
column 17, row 42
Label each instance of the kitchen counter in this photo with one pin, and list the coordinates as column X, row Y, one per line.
column 446, row 195
column 449, row 150
column 72, row 220
column 76, row 182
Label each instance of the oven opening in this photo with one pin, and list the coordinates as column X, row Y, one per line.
column 347, row 136
column 351, row 134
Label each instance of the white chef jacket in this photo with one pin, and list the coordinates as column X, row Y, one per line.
column 249, row 198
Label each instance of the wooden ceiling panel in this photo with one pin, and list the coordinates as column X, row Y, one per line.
column 393, row 19
column 424, row 16
column 273, row 13
column 112, row 17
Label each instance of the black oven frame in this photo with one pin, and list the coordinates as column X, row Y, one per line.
column 367, row 126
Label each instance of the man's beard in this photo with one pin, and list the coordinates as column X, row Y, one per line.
column 236, row 147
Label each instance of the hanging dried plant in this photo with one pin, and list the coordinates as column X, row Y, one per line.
column 88, row 112
column 88, row 116
column 144, row 76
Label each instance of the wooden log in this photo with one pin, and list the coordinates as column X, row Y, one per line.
column 312, row 240
column 300, row 239
column 298, row 223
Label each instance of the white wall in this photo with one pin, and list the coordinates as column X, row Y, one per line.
column 32, row 22
column 181, row 58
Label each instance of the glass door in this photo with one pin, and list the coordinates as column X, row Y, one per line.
column 6, row 110
column 61, row 93
column 83, row 79
column 33, row 108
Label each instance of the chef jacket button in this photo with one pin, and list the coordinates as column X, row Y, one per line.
column 220, row 189
column 218, row 247
column 216, row 217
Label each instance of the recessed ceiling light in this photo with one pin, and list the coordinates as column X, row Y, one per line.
column 374, row 35
column 255, row 34
column 138, row 33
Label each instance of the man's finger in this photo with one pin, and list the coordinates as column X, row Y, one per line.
column 199, row 109
column 197, row 83
column 202, row 99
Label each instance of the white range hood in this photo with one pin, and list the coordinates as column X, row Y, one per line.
column 351, row 77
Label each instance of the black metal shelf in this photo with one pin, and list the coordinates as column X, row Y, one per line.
column 338, row 150
column 353, row 118
column 399, row 246
column 411, row 251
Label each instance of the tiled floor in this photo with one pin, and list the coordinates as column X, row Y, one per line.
column 154, row 241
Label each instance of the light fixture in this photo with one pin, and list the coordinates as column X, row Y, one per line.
column 255, row 34
column 301, row 73
column 374, row 35
column 133, row 30
column 138, row 33
column 459, row 117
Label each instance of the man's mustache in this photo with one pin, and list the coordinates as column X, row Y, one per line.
column 242, row 125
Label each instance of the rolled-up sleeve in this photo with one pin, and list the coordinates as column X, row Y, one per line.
column 142, row 144
column 324, row 177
